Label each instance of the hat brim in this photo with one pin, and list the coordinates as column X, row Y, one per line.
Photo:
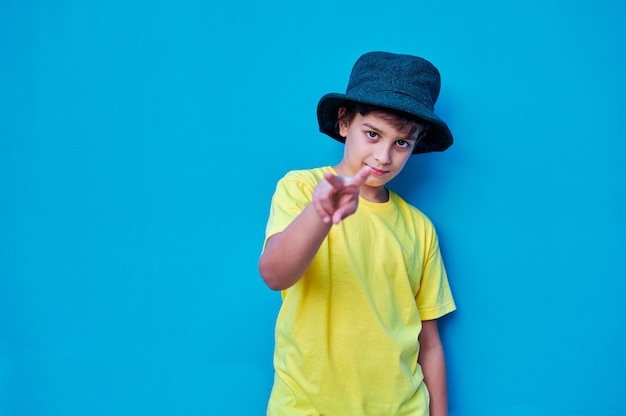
column 437, row 139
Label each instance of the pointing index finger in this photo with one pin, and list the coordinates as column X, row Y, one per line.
column 362, row 175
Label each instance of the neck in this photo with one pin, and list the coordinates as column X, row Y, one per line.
column 377, row 195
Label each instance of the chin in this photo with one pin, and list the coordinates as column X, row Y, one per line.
column 378, row 183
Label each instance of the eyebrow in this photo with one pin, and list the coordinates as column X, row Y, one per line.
column 377, row 130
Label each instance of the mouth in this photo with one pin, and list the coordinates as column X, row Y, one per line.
column 378, row 172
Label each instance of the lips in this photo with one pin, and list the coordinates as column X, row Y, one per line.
column 378, row 172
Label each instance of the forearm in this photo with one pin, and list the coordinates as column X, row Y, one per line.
column 432, row 361
column 434, row 368
column 288, row 254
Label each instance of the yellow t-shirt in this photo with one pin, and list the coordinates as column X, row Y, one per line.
column 347, row 332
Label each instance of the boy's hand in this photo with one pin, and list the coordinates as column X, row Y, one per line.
column 337, row 197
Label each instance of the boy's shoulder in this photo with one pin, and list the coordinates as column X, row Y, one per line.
column 410, row 209
column 310, row 176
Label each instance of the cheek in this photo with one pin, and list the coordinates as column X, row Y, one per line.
column 398, row 164
column 402, row 159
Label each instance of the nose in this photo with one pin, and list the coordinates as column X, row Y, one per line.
column 383, row 154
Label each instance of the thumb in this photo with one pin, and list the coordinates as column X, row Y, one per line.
column 336, row 181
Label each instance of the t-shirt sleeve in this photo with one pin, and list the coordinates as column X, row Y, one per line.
column 434, row 298
column 293, row 193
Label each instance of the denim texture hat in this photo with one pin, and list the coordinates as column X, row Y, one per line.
column 403, row 83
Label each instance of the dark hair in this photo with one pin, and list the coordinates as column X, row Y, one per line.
column 398, row 119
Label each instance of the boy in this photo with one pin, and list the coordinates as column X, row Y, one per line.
column 360, row 269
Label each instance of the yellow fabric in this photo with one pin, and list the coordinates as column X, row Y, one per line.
column 346, row 334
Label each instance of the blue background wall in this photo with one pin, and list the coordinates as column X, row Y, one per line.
column 140, row 143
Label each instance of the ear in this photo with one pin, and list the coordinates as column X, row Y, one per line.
column 342, row 123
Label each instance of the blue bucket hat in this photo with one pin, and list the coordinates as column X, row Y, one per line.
column 404, row 83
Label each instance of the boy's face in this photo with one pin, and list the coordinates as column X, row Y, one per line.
column 371, row 140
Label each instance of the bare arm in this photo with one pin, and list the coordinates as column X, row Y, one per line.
column 432, row 361
column 288, row 254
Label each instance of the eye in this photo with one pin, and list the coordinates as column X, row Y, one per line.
column 403, row 144
column 371, row 134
